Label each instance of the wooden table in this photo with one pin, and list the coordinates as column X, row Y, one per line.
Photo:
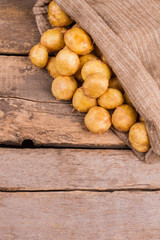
column 74, row 185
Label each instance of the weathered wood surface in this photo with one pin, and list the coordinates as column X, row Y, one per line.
column 80, row 215
column 63, row 169
column 29, row 111
column 18, row 28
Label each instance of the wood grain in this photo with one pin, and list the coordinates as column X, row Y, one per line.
column 62, row 169
column 29, row 111
column 80, row 216
column 18, row 28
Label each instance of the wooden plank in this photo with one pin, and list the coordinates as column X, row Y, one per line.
column 61, row 169
column 80, row 215
column 17, row 27
column 29, row 111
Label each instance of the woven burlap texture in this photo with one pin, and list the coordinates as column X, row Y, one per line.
column 128, row 34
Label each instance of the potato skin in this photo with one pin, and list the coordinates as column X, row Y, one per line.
column 127, row 100
column 95, row 85
column 141, row 119
column 124, row 117
column 64, row 87
column 95, row 66
column 53, row 40
column 39, row 55
column 57, row 17
column 84, row 59
column 77, row 40
column 81, row 102
column 67, row 62
column 111, row 99
column 98, row 120
column 115, row 83
column 138, row 137
column 51, row 67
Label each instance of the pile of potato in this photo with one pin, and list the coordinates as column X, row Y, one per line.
column 80, row 73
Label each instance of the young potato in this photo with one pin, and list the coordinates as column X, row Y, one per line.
column 53, row 40
column 78, row 41
column 97, row 51
column 61, row 29
column 67, row 62
column 98, row 120
column 95, row 66
column 57, row 17
column 115, row 83
column 127, row 100
column 111, row 99
column 141, row 119
column 95, row 85
column 64, row 87
column 138, row 137
column 84, row 59
column 39, row 56
column 51, row 67
column 81, row 102
column 124, row 117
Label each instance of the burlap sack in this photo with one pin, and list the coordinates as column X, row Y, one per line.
column 128, row 34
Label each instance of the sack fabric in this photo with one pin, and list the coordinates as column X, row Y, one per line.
column 128, row 34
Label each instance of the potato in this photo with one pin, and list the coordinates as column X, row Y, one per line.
column 63, row 87
column 61, row 29
column 127, row 100
column 84, row 59
column 95, row 85
column 77, row 40
column 39, row 56
column 124, row 117
column 53, row 40
column 67, row 62
column 81, row 102
column 97, row 51
column 98, row 120
column 138, row 137
column 103, row 59
column 111, row 99
column 141, row 119
column 95, row 66
column 57, row 17
column 51, row 67
column 115, row 83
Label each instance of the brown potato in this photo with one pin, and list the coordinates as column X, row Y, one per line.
column 57, row 17
column 84, row 59
column 77, row 40
column 39, row 56
column 67, row 62
column 81, row 102
column 111, row 99
column 95, row 66
column 127, row 100
column 138, row 137
column 61, row 29
column 115, row 83
column 53, row 40
column 95, row 85
column 141, row 119
column 97, row 51
column 124, row 117
column 98, row 120
column 51, row 67
column 64, row 87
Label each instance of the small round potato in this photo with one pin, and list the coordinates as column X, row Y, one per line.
column 95, row 85
column 141, row 119
column 51, row 67
column 64, row 87
column 81, row 102
column 127, row 100
column 138, row 137
column 78, row 41
column 115, row 83
column 97, row 51
column 124, row 117
column 84, row 59
column 95, row 66
column 57, row 17
column 98, row 120
column 61, row 29
column 111, row 99
column 67, row 62
column 53, row 40
column 39, row 56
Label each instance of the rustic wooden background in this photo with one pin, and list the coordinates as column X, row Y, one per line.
column 72, row 185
